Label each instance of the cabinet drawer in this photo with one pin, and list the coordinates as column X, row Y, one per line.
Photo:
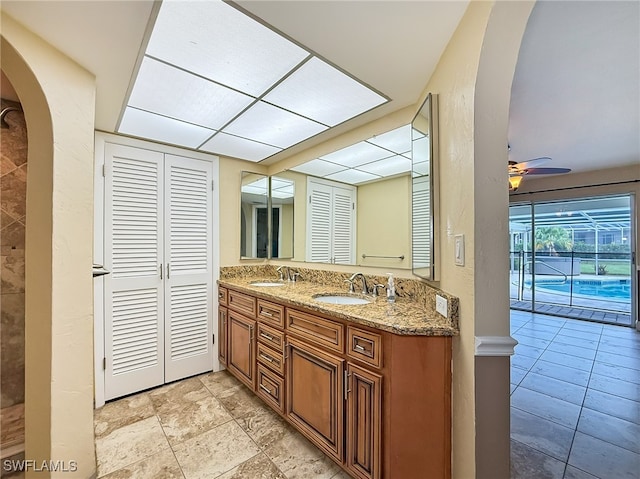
column 271, row 337
column 315, row 329
column 271, row 388
column 242, row 303
column 365, row 346
column 271, row 313
column 222, row 296
column 270, row 358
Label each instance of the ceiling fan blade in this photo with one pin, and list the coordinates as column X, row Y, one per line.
column 525, row 165
column 547, row 171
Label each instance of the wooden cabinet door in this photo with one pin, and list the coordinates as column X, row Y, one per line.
column 315, row 395
column 241, row 359
column 222, row 335
column 364, row 422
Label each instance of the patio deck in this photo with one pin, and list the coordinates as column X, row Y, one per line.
column 591, row 308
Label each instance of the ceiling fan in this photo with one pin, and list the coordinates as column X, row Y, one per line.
column 517, row 171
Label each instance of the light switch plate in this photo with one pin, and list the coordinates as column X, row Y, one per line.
column 458, row 241
column 441, row 305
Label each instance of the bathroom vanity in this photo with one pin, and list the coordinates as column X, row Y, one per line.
column 369, row 384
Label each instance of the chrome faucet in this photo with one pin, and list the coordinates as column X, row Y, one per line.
column 352, row 279
column 281, row 270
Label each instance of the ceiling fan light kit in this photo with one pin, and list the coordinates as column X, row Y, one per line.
column 518, row 170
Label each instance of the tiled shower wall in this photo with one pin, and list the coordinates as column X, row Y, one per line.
column 13, row 189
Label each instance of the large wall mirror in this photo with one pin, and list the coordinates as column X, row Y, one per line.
column 353, row 206
column 266, row 216
column 424, row 187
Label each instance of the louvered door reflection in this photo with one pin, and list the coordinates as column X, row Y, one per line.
column 134, row 335
column 188, row 254
column 330, row 222
column 158, row 247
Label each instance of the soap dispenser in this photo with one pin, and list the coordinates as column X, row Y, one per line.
column 391, row 289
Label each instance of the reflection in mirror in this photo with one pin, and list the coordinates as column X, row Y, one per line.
column 424, row 190
column 282, row 212
column 378, row 172
column 254, row 223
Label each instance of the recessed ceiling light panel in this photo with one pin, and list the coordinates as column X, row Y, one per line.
column 352, row 176
column 323, row 93
column 394, row 165
column 169, row 91
column 319, row 168
column 274, row 126
column 356, row 155
column 217, row 41
column 398, row 140
column 167, row 130
column 236, row 147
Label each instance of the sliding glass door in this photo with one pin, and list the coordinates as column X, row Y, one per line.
column 574, row 258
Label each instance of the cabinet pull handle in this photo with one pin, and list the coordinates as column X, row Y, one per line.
column 286, row 352
column 262, row 386
column 250, row 334
column 220, row 295
column 346, row 385
column 266, row 313
column 266, row 336
column 266, row 358
column 357, row 347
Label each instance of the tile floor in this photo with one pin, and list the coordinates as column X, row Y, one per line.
column 208, row 426
column 575, row 399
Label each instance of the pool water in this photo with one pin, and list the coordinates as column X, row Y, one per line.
column 609, row 289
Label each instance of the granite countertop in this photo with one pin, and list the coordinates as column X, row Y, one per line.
column 405, row 316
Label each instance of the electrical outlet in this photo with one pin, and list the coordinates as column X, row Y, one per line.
column 441, row 305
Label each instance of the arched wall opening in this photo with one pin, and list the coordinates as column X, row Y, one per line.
column 58, row 98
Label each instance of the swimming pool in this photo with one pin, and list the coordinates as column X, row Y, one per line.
column 620, row 289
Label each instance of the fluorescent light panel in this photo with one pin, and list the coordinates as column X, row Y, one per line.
column 267, row 124
column 357, row 154
column 319, row 168
column 236, row 147
column 211, row 65
column 217, row 41
column 352, row 176
column 163, row 89
column 167, row 130
column 321, row 92
column 398, row 140
column 394, row 165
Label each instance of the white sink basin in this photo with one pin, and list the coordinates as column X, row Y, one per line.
column 266, row 283
column 338, row 299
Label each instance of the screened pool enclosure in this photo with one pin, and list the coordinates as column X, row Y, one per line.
column 574, row 258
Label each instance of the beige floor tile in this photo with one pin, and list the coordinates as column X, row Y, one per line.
column 175, row 395
column 265, row 427
column 215, row 452
column 297, row 458
column 241, row 402
column 258, row 467
column 162, row 465
column 122, row 412
column 342, row 475
column 219, row 382
column 129, row 444
column 188, row 419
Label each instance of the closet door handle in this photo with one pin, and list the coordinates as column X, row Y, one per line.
column 160, row 270
column 168, row 271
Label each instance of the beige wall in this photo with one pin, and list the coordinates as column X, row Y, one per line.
column 384, row 222
column 58, row 98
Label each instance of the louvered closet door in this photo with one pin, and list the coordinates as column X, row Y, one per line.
column 343, row 225
column 188, row 257
column 134, row 333
column 319, row 218
column 421, row 225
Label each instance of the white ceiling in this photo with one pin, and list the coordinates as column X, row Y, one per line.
column 575, row 95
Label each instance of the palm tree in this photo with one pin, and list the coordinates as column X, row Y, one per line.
column 552, row 239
